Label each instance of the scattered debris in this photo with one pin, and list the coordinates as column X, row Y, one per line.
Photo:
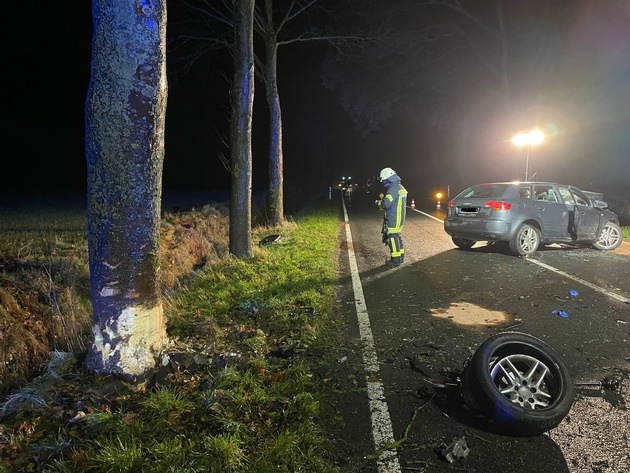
column 455, row 451
column 573, row 293
column 512, row 326
column 284, row 352
column 224, row 358
column 250, row 307
column 245, row 331
column 308, row 311
column 561, row 313
column 611, row 384
column 269, row 239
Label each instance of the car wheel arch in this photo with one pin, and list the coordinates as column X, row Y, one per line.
column 530, row 221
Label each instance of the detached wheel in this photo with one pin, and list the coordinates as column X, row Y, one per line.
column 519, row 382
column 526, row 241
column 463, row 243
column 611, row 237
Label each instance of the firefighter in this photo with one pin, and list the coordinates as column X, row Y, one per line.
column 394, row 203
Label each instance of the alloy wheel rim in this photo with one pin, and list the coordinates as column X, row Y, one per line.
column 522, row 380
column 609, row 236
column 529, row 240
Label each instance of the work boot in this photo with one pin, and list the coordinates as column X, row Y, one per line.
column 393, row 263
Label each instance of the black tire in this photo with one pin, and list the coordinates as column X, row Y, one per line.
column 463, row 243
column 526, row 240
column 610, row 238
column 518, row 382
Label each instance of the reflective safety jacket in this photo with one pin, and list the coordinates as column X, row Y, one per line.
column 394, row 203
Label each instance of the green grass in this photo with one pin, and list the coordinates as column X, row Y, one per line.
column 252, row 413
column 626, row 233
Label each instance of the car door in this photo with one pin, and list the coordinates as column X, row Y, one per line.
column 552, row 212
column 587, row 217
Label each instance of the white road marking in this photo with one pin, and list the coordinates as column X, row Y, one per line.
column 428, row 215
column 599, row 289
column 382, row 432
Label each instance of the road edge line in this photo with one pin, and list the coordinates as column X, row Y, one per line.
column 382, row 431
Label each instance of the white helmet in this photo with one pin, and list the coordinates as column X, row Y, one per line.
column 386, row 173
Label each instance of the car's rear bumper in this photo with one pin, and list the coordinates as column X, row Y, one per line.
column 478, row 229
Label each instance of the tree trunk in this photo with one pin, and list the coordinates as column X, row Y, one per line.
column 241, row 130
column 125, row 118
column 276, row 192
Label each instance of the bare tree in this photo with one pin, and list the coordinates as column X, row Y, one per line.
column 241, row 130
column 125, row 119
column 271, row 22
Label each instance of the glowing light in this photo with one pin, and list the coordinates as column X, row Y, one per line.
column 529, row 139
column 534, row 137
column 520, row 140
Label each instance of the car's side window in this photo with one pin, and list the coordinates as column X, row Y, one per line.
column 546, row 193
column 580, row 199
column 525, row 192
column 565, row 193
column 552, row 196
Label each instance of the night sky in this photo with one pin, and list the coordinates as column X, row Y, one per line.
column 584, row 106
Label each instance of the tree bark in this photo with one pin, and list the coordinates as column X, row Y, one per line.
column 125, row 120
column 276, row 186
column 241, row 130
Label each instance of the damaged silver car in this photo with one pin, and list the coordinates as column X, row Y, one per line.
column 526, row 215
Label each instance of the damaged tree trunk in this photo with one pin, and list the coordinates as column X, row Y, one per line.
column 125, row 119
column 242, row 102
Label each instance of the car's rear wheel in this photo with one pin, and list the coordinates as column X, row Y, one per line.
column 463, row 243
column 526, row 240
column 611, row 237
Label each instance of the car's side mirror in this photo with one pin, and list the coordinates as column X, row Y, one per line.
column 600, row 204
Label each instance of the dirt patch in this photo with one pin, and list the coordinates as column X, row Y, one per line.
column 470, row 315
column 623, row 249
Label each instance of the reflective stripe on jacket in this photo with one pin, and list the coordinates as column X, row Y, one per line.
column 395, row 205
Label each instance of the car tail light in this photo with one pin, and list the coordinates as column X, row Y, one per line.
column 498, row 205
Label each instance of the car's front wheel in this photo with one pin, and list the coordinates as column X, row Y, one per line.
column 611, row 237
column 519, row 382
column 526, row 240
column 463, row 243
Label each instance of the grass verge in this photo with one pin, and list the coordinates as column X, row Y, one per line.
column 236, row 391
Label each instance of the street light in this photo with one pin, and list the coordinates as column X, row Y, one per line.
column 529, row 139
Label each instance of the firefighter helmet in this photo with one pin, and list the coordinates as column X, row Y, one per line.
column 386, row 173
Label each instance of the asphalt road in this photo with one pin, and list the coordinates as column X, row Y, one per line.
column 428, row 317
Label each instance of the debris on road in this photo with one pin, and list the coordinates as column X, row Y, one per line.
column 457, row 450
column 611, row 384
column 561, row 313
